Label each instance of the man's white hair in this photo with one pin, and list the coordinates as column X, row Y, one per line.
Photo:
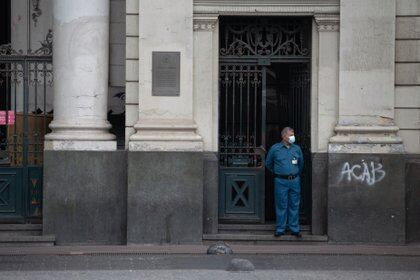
column 285, row 130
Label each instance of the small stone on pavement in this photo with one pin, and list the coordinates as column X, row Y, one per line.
column 240, row 265
column 220, row 248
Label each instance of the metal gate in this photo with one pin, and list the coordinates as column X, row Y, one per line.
column 25, row 112
column 248, row 47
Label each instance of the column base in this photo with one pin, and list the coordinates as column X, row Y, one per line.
column 80, row 137
column 166, row 136
column 78, row 145
column 366, row 139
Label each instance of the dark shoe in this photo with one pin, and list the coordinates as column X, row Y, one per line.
column 297, row 234
column 278, row 234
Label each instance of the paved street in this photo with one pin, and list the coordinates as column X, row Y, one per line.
column 198, row 266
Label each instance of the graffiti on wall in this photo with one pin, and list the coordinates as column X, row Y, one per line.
column 369, row 173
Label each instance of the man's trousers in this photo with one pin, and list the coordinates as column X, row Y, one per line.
column 287, row 199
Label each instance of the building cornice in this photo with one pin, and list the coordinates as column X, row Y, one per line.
column 278, row 7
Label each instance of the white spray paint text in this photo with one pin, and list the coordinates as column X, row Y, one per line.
column 365, row 173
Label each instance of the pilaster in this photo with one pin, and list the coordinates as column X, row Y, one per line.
column 166, row 123
column 206, row 72
column 328, row 26
column 366, row 79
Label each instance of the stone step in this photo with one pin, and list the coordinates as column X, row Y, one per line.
column 263, row 237
column 20, row 229
column 23, row 240
column 254, row 228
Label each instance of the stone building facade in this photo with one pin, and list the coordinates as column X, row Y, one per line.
column 167, row 170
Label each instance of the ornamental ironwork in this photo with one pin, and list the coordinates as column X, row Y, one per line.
column 240, row 115
column 265, row 37
column 37, row 12
column 45, row 49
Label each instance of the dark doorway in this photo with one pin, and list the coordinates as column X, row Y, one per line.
column 288, row 104
column 264, row 84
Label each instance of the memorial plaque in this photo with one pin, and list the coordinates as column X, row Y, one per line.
column 166, row 73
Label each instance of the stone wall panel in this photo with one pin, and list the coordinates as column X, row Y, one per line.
column 408, row 28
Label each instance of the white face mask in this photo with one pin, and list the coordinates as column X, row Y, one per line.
column 292, row 139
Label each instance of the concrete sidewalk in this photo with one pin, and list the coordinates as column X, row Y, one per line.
column 209, row 275
column 287, row 249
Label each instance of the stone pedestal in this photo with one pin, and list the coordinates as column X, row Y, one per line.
column 366, row 198
column 85, row 197
column 211, row 193
column 80, row 61
column 412, row 179
column 165, row 197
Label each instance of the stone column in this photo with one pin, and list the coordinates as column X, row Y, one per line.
column 80, row 61
column 366, row 89
column 166, row 122
column 328, row 27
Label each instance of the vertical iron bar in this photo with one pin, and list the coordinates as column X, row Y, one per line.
column 241, row 80
column 255, row 104
column 263, row 105
column 15, row 136
column 226, row 110
column 28, row 18
column 7, row 107
column 45, row 111
column 248, row 108
column 35, row 132
column 25, row 136
column 233, row 106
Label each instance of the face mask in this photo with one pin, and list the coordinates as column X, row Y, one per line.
column 292, row 139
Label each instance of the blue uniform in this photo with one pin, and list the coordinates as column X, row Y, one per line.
column 283, row 160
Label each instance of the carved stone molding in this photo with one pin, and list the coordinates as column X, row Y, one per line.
column 327, row 22
column 261, row 7
column 205, row 23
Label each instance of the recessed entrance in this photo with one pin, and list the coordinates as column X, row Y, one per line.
column 264, row 85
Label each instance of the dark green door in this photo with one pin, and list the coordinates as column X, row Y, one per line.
column 11, row 201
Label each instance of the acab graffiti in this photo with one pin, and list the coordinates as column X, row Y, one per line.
column 369, row 173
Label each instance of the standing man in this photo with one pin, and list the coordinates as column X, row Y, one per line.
column 285, row 160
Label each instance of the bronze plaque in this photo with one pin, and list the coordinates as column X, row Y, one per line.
column 166, row 73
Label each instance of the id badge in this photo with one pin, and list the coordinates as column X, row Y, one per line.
column 294, row 161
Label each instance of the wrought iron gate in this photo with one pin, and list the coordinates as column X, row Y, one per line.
column 242, row 129
column 248, row 47
column 25, row 112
